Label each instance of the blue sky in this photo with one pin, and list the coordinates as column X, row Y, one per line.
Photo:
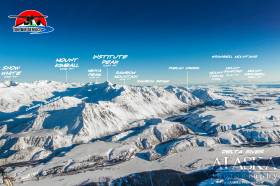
column 155, row 34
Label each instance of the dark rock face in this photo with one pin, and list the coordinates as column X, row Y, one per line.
column 96, row 184
column 163, row 178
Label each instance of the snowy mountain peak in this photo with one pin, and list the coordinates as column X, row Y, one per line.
column 8, row 83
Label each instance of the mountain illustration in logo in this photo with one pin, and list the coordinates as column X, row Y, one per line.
column 31, row 21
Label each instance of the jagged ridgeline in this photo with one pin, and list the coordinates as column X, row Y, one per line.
column 64, row 128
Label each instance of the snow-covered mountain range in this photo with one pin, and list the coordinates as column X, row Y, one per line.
column 52, row 130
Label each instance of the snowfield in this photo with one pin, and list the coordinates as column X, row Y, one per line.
column 108, row 134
